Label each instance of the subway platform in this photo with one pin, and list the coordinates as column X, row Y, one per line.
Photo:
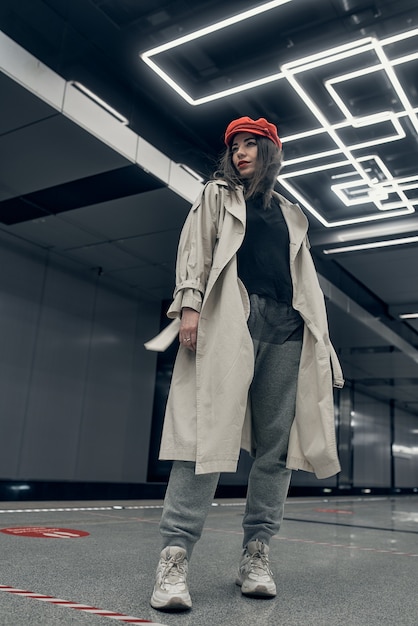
column 337, row 561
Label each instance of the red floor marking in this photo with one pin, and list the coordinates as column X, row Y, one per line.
column 339, row 511
column 127, row 619
column 45, row 532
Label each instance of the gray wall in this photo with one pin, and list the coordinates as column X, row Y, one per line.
column 371, row 427
column 405, row 450
column 377, row 442
column 76, row 384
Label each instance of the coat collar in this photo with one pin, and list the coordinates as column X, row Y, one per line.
column 234, row 204
column 296, row 220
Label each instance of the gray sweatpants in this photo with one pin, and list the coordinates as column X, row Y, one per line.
column 276, row 330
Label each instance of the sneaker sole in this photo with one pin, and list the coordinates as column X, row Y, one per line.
column 173, row 604
column 259, row 591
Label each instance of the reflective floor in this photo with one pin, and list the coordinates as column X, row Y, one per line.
column 345, row 561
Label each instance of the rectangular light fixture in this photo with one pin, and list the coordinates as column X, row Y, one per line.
column 202, row 32
column 388, row 229
column 345, row 222
column 373, row 190
column 190, row 171
column 229, row 21
column 386, row 66
column 315, row 60
column 372, row 245
column 295, row 68
column 386, row 197
column 92, row 96
column 408, row 316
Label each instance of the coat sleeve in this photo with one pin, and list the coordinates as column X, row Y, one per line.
column 195, row 250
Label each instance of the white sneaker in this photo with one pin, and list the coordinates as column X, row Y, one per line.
column 254, row 574
column 170, row 591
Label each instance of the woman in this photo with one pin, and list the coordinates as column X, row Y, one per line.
column 255, row 367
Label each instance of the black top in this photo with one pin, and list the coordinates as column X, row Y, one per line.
column 263, row 259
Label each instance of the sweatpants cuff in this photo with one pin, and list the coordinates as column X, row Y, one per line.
column 179, row 543
column 265, row 538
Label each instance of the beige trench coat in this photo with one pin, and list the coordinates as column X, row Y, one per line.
column 207, row 417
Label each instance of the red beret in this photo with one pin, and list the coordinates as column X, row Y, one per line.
column 257, row 127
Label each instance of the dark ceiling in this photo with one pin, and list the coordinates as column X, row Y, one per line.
column 338, row 77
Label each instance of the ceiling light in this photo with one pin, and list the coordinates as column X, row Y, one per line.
column 330, row 55
column 189, row 170
column 397, row 86
column 314, row 157
column 313, row 169
column 289, row 70
column 386, row 195
column 239, row 17
column 354, row 48
column 202, row 32
column 376, row 118
column 296, row 67
column 386, row 66
column 346, row 175
column 92, row 96
column 376, row 231
column 346, row 222
column 403, row 207
column 360, row 193
column 369, row 246
column 377, row 194
column 394, row 119
column 375, row 191
column 399, row 37
column 409, row 316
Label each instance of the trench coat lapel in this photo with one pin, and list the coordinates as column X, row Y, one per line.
column 232, row 227
column 297, row 225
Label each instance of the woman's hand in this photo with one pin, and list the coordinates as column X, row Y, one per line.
column 188, row 328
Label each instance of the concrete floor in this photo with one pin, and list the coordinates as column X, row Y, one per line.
column 345, row 561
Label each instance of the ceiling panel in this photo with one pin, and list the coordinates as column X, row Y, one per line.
column 153, row 279
column 120, row 182
column 51, row 152
column 413, row 323
column 405, row 395
column 107, row 256
column 150, row 278
column 347, row 332
column 391, row 273
column 158, row 248
column 19, row 107
column 384, row 365
column 147, row 212
column 53, row 232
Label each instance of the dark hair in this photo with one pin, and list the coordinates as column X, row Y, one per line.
column 269, row 162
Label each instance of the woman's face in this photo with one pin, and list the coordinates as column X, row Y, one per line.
column 244, row 154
